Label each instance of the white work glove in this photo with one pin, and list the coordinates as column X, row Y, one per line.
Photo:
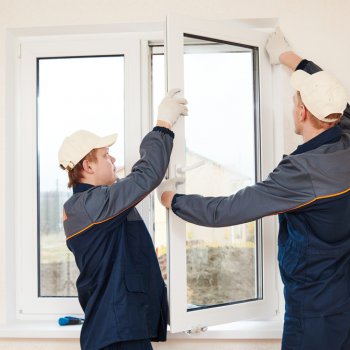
column 276, row 45
column 171, row 108
column 169, row 185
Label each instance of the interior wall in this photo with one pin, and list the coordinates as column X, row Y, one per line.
column 316, row 29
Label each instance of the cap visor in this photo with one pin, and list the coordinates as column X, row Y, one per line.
column 106, row 141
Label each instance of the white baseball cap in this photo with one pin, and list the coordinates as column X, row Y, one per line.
column 75, row 147
column 321, row 93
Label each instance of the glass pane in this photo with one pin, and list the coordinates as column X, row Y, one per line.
column 160, row 216
column 73, row 93
column 220, row 135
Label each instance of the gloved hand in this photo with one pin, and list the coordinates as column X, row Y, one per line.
column 169, row 186
column 276, row 45
column 171, row 108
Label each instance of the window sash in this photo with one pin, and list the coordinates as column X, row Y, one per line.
column 180, row 318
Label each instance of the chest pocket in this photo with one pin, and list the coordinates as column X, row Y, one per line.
column 134, row 282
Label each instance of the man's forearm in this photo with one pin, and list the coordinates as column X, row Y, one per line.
column 290, row 59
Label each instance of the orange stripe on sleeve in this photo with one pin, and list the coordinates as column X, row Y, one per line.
column 315, row 199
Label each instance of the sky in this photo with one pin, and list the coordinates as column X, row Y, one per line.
column 78, row 93
column 88, row 93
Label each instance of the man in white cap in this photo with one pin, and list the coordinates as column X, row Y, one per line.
column 120, row 286
column 310, row 190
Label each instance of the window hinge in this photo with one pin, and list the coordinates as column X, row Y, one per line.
column 195, row 330
column 19, row 51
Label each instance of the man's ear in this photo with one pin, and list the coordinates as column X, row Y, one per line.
column 303, row 113
column 87, row 167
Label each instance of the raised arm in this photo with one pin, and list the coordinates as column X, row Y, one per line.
column 104, row 202
column 280, row 51
column 286, row 188
column 149, row 170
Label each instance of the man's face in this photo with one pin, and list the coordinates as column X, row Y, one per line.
column 104, row 168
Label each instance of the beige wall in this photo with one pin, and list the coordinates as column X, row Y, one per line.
column 317, row 29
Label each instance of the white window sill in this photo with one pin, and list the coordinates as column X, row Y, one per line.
column 238, row 330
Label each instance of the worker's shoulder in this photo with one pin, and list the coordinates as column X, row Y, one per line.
column 290, row 164
column 321, row 155
column 327, row 166
column 78, row 202
column 82, row 209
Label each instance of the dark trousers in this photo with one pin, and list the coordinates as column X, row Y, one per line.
column 144, row 344
column 318, row 333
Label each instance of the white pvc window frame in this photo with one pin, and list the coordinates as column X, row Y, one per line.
column 180, row 318
column 138, row 122
column 28, row 303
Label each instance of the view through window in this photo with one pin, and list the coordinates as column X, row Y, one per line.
column 73, row 93
column 220, row 134
column 88, row 93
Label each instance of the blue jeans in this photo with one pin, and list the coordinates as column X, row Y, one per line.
column 318, row 333
column 144, row 344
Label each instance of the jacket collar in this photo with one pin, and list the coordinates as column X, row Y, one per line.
column 81, row 187
column 329, row 136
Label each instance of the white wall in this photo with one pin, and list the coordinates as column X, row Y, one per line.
column 317, row 29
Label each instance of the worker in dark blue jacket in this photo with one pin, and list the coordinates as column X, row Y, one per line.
column 120, row 287
column 310, row 190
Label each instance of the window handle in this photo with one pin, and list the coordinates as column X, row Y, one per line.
column 181, row 170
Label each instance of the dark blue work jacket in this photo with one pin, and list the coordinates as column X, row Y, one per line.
column 314, row 249
column 120, row 287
